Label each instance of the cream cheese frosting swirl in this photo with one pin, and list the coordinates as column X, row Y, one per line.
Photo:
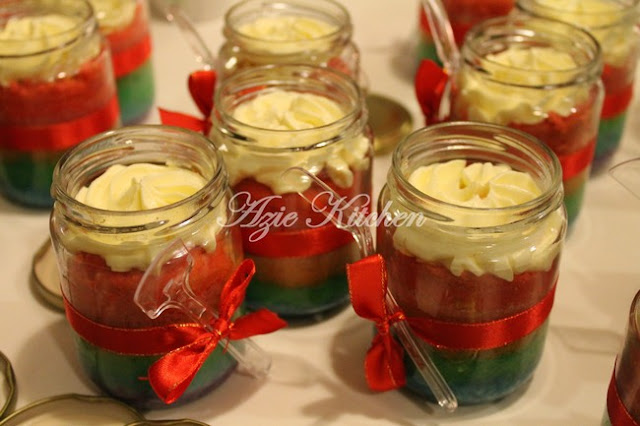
column 500, row 96
column 289, row 119
column 282, row 34
column 484, row 191
column 43, row 46
column 139, row 187
column 612, row 23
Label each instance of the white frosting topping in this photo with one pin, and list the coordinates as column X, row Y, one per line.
column 287, row 29
column 287, row 119
column 139, row 187
column 519, row 96
column 43, row 46
column 113, row 15
column 479, row 186
column 604, row 19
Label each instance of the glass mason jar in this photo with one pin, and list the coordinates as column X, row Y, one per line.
column 541, row 77
column 125, row 24
column 463, row 14
column 474, row 262
column 614, row 24
column 300, row 255
column 102, row 254
column 623, row 397
column 56, row 89
column 313, row 32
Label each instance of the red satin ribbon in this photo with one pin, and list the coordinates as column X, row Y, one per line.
column 616, row 103
column 201, row 87
column 60, row 136
column 368, row 284
column 484, row 335
column 128, row 60
column 185, row 346
column 302, row 243
column 573, row 164
column 430, row 82
column 383, row 366
column 618, row 414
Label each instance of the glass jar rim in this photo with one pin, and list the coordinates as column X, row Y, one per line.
column 319, row 7
column 247, row 80
column 521, row 29
column 461, row 131
column 216, row 185
column 627, row 11
column 87, row 25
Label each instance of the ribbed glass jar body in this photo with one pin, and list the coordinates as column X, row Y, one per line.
column 468, row 267
column 313, row 32
column 614, row 24
column 103, row 254
column 56, row 89
column 125, row 24
column 539, row 76
column 300, row 255
column 626, row 373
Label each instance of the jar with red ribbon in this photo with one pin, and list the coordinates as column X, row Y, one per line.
column 463, row 14
column 537, row 75
column 56, row 89
column 623, row 395
column 314, row 32
column 614, row 25
column 123, row 198
column 265, row 121
column 125, row 24
column 472, row 239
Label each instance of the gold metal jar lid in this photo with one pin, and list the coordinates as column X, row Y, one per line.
column 180, row 422
column 7, row 386
column 44, row 275
column 74, row 409
column 389, row 120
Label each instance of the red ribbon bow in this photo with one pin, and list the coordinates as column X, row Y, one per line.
column 171, row 375
column 384, row 369
column 430, row 82
column 201, row 87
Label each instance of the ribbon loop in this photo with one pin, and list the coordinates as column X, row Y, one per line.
column 384, row 369
column 430, row 83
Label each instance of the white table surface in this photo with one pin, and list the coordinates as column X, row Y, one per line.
column 317, row 375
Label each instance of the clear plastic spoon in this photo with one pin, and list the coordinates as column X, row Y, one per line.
column 627, row 174
column 442, row 33
column 174, row 13
column 165, row 285
column 425, row 366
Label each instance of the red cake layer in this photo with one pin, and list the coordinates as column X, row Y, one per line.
column 106, row 296
column 34, row 102
column 564, row 135
column 293, row 202
column 430, row 289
